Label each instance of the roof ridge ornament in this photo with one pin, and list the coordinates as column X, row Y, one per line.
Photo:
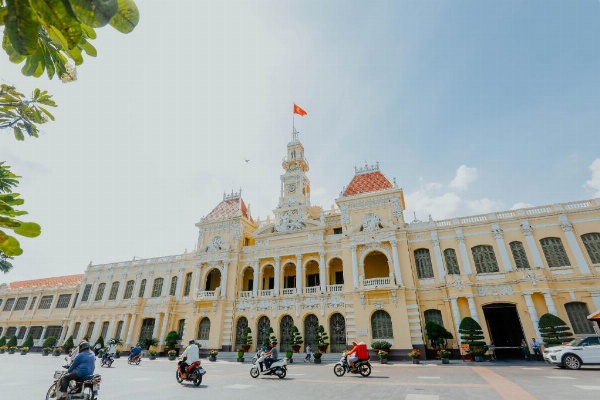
column 233, row 195
column 366, row 169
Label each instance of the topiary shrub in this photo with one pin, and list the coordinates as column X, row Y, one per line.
column 28, row 342
column 69, row 344
column 171, row 339
column 49, row 342
column 471, row 334
column 3, row 341
column 12, row 342
column 437, row 334
column 554, row 330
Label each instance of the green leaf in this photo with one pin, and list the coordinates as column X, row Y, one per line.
column 9, row 245
column 58, row 14
column 28, row 229
column 94, row 13
column 127, row 18
column 21, row 26
column 3, row 12
column 18, row 133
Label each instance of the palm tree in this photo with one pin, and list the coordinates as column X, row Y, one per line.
column 5, row 265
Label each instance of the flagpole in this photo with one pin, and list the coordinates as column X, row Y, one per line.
column 293, row 121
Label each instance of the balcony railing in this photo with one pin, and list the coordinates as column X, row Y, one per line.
column 265, row 293
column 288, row 291
column 245, row 294
column 311, row 290
column 207, row 294
column 373, row 282
column 335, row 288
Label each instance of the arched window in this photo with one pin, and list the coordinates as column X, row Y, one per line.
column 119, row 330
column 242, row 323
column 433, row 316
column 129, row 289
column 285, row 333
column 21, row 333
column 142, row 288
column 264, row 323
column 188, row 284
column 591, row 241
column 423, row 263
column 100, row 292
column 173, row 287
column 311, row 325
column 578, row 313
column 114, row 289
column 451, row 262
column 36, row 332
column 555, row 253
column 86, row 292
column 204, row 329
column 104, row 330
column 157, row 287
column 337, row 333
column 519, row 255
column 147, row 328
column 485, row 259
column 90, row 330
column 180, row 327
column 381, row 325
column 75, row 330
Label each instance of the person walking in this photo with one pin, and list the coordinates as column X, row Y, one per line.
column 525, row 350
column 537, row 349
column 308, row 357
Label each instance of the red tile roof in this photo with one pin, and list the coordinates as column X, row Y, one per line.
column 229, row 208
column 369, row 182
column 69, row 280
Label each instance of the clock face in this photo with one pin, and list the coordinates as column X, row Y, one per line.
column 292, row 188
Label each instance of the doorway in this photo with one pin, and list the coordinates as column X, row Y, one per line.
column 504, row 326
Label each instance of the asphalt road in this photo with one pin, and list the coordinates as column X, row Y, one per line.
column 28, row 377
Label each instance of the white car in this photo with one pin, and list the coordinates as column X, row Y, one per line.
column 581, row 351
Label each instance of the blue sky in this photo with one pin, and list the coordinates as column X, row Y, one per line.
column 473, row 106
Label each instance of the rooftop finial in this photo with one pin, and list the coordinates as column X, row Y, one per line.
column 367, row 168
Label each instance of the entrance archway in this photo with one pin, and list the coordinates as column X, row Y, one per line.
column 506, row 331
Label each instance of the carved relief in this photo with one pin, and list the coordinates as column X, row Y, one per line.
column 336, row 301
column 396, row 207
column 216, row 245
column 289, row 221
column 566, row 226
column 497, row 233
column 495, row 291
column 371, row 222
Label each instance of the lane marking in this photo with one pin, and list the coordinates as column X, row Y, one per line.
column 586, row 387
column 532, row 368
column 422, row 397
column 505, row 388
column 429, row 377
column 560, row 377
column 238, row 386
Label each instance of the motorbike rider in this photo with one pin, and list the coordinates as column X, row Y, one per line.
column 111, row 350
column 357, row 352
column 190, row 355
column 82, row 367
column 135, row 351
column 271, row 355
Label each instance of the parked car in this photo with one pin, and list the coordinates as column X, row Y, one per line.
column 578, row 352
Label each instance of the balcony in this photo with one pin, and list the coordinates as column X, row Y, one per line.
column 288, row 291
column 375, row 282
column 335, row 288
column 206, row 295
column 266, row 293
column 245, row 294
column 312, row 290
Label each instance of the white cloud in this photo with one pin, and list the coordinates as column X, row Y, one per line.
column 464, row 177
column 594, row 183
column 521, row 204
column 443, row 201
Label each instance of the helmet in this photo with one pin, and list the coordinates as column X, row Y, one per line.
column 191, row 341
column 84, row 346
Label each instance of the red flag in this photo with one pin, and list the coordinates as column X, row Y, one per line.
column 298, row 110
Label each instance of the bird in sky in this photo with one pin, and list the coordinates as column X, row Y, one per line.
column 246, row 160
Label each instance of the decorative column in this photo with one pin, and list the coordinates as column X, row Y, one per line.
column 299, row 276
column 463, row 251
column 136, row 286
column 96, row 327
column 276, row 267
column 473, row 309
column 568, row 228
column 149, row 285
column 196, row 281
column 596, row 298
column 396, row 261
column 156, row 324
column 456, row 316
column 81, row 333
column 163, row 332
column 53, row 304
column 43, row 333
column 354, row 267
column 70, row 329
column 122, row 285
column 437, row 251
column 224, row 279
column 528, row 232
column 497, row 232
column 81, row 289
column 131, row 326
column 532, row 314
column 111, row 327
column 322, row 275
column 550, row 303
column 107, row 290
column 92, row 295
column 255, row 279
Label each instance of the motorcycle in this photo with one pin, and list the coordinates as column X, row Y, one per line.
column 362, row 367
column 137, row 359
column 108, row 361
column 277, row 368
column 194, row 373
column 85, row 390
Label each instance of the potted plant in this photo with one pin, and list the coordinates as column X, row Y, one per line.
column 2, row 341
column 28, row 342
column 152, row 354
column 46, row 351
column 472, row 334
column 172, row 354
column 269, row 337
column 171, row 340
column 383, row 356
column 296, row 339
column 68, row 344
column 415, row 354
column 12, row 349
column 246, row 339
column 3, row 349
column 317, row 356
column 24, row 350
column 288, row 356
column 57, row 351
column 118, row 354
column 148, row 342
column 554, row 330
column 321, row 339
column 212, row 355
column 240, row 355
column 444, row 356
column 378, row 345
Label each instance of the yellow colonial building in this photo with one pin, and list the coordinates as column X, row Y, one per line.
column 359, row 269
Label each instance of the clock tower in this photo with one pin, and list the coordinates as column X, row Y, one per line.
column 294, row 200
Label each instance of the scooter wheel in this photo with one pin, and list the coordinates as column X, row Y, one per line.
column 178, row 377
column 339, row 370
column 254, row 372
column 365, row 370
column 281, row 373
